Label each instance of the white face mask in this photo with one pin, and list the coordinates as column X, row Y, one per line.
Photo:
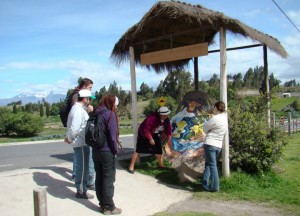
column 117, row 101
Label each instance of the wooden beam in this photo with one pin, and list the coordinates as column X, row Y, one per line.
column 174, row 54
column 133, row 95
column 223, row 97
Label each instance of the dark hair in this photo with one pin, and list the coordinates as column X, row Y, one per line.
column 220, row 106
column 84, row 82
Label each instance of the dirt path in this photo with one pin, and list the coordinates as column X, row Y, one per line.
column 225, row 208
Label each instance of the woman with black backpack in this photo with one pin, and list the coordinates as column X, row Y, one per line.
column 105, row 156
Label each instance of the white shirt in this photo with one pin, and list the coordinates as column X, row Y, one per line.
column 76, row 124
column 215, row 129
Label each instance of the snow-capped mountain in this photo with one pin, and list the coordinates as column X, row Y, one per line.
column 34, row 98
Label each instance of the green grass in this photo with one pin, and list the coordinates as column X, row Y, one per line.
column 279, row 188
column 278, row 103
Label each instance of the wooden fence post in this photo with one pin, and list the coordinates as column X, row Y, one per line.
column 40, row 202
column 289, row 123
column 273, row 120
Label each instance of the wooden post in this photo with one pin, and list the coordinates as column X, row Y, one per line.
column 196, row 74
column 289, row 123
column 266, row 76
column 273, row 120
column 40, row 202
column 294, row 126
column 223, row 97
column 133, row 95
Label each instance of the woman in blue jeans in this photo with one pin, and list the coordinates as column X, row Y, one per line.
column 215, row 129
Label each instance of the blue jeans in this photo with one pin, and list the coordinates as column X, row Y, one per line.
column 211, row 177
column 82, row 155
column 91, row 179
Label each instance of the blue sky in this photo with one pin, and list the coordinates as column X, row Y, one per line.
column 47, row 45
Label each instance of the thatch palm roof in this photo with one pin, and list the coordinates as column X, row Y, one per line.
column 170, row 24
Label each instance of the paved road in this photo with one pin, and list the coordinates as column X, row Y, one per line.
column 31, row 155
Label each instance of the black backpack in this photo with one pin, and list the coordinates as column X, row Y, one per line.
column 66, row 107
column 95, row 133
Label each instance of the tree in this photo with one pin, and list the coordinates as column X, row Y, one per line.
column 258, row 76
column 237, row 81
column 113, row 88
column 177, row 83
column 159, row 90
column 15, row 109
column 145, row 91
column 273, row 82
column 41, row 110
column 248, row 78
column 203, row 85
column 214, row 81
column 290, row 83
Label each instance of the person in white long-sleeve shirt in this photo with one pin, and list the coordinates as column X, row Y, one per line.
column 76, row 124
column 215, row 129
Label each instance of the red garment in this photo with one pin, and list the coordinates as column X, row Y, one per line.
column 151, row 123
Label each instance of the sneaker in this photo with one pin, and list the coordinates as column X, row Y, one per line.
column 84, row 195
column 91, row 187
column 205, row 187
column 112, row 212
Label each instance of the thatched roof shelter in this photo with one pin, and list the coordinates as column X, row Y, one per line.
column 170, row 24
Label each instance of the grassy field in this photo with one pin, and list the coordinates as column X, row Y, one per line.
column 278, row 103
column 279, row 188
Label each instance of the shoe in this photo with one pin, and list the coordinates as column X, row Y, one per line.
column 91, row 187
column 112, row 212
column 205, row 187
column 163, row 167
column 130, row 171
column 101, row 210
column 84, row 195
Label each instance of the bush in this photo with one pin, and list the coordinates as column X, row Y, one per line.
column 22, row 124
column 254, row 146
column 153, row 106
column 296, row 105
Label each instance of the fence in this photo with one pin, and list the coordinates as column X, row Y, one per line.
column 289, row 125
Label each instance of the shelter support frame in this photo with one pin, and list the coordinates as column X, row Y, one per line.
column 223, row 97
column 133, row 94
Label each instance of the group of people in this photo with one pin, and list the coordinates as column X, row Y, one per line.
column 87, row 161
column 96, row 168
column 156, row 128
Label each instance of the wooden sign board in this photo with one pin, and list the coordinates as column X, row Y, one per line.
column 174, row 54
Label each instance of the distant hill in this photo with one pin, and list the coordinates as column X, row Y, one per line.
column 27, row 98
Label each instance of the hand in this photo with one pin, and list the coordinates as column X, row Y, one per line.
column 152, row 142
column 66, row 140
column 90, row 108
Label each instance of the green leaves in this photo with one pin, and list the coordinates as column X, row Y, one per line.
column 254, row 146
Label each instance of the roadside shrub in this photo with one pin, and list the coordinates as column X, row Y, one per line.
column 254, row 146
column 22, row 124
column 296, row 105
